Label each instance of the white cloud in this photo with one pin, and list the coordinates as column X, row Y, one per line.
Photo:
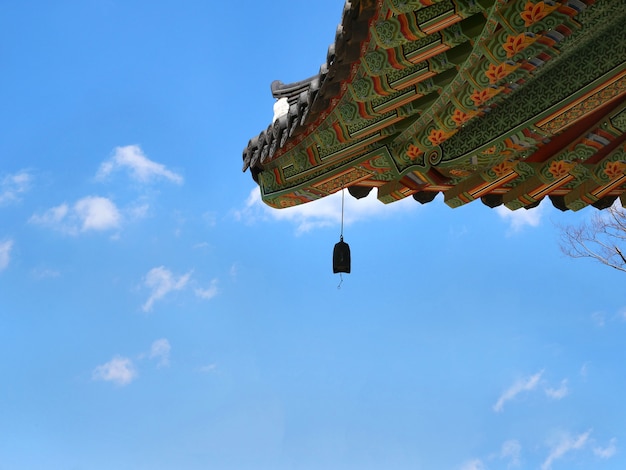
column 522, row 385
column 141, row 168
column 234, row 270
column 119, row 370
column 608, row 451
column 325, row 212
column 209, row 368
column 520, row 218
column 563, row 446
column 91, row 213
column 5, row 253
column 584, row 369
column 12, row 186
column 598, row 318
column 475, row 464
column 511, row 451
column 601, row 319
column 138, row 211
column 209, row 292
column 45, row 273
column 161, row 281
column 53, row 217
column 160, row 350
column 97, row 213
column 210, row 218
column 558, row 393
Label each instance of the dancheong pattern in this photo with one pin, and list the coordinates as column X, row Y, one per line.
column 503, row 101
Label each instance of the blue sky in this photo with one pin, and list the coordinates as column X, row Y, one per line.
column 154, row 314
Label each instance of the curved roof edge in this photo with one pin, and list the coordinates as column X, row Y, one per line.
column 308, row 98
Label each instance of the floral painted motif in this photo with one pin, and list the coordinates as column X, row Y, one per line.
column 413, row 152
column 480, row 97
column 515, row 44
column 560, row 168
column 287, row 202
column 438, row 137
column 459, row 172
column 502, row 169
column 497, row 72
column 615, row 169
column 534, row 12
column 460, row 118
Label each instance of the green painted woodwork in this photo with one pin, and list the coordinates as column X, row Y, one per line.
column 467, row 97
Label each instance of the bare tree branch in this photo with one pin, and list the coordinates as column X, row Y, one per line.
column 603, row 238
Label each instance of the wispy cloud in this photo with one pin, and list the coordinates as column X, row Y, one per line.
column 53, row 217
column 140, row 167
column 325, row 212
column 608, row 451
column 598, row 318
column 119, row 370
column 234, row 270
column 558, row 393
column 12, row 186
column 209, row 292
column 584, row 369
column 138, row 211
column 5, row 253
column 160, row 350
column 210, row 218
column 44, row 273
column 91, row 213
column 122, row 370
column 161, row 282
column 201, row 246
column 520, row 218
column 208, row 368
column 475, row 464
column 602, row 319
column 565, row 445
column 522, row 385
column 511, row 451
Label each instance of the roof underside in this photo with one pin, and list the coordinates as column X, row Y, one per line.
column 503, row 101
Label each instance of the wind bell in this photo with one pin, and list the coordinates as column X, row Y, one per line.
column 341, row 257
column 341, row 253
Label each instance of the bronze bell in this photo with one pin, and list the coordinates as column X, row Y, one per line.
column 341, row 257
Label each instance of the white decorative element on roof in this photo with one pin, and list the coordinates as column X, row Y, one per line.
column 281, row 107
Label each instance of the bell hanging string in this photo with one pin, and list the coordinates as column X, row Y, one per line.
column 341, row 252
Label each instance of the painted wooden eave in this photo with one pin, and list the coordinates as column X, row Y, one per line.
column 508, row 102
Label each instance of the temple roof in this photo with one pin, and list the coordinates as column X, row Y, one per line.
column 503, row 101
column 308, row 98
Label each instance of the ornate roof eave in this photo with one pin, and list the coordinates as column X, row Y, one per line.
column 310, row 97
column 471, row 98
